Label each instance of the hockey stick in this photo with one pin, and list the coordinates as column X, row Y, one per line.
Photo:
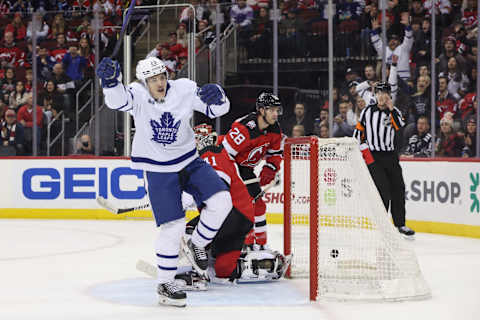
column 113, row 209
column 116, row 49
column 275, row 182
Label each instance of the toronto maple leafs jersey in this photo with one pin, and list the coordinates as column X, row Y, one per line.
column 164, row 140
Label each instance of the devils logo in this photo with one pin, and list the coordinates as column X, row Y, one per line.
column 255, row 155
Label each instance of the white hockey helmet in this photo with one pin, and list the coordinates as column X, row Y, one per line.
column 150, row 67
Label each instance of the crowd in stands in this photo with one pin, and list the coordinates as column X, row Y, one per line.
column 408, row 57
column 65, row 58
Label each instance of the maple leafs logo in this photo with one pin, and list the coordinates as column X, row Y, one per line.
column 165, row 131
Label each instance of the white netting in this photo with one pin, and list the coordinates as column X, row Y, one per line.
column 361, row 256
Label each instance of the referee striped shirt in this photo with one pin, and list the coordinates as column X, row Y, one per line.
column 377, row 127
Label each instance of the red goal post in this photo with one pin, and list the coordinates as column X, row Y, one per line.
column 337, row 228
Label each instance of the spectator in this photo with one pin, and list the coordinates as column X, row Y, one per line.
column 41, row 28
column 10, row 54
column 468, row 106
column 7, row 84
column 58, row 26
column 12, row 133
column 422, row 45
column 60, row 49
column 359, row 106
column 50, row 99
column 419, row 104
column 105, row 6
column 162, row 51
column 63, row 81
column 29, row 80
column 344, row 123
column 450, row 50
column 335, row 101
column 22, row 6
column 261, row 39
column 87, row 52
column 299, row 117
column 469, row 13
column 420, row 144
column 182, row 35
column 442, row 10
column 298, row 131
column 450, row 143
column 445, row 101
column 205, row 31
column 25, row 118
column 74, row 64
column 65, row 7
column 5, row 7
column 291, row 35
column 17, row 28
column 394, row 46
column 324, row 132
column 241, row 15
column 457, row 80
column 84, row 145
column 471, row 138
column 417, row 11
column 17, row 97
column 45, row 63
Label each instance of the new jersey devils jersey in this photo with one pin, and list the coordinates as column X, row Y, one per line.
column 247, row 144
column 227, row 169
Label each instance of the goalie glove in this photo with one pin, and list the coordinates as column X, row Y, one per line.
column 267, row 174
column 109, row 72
column 211, row 94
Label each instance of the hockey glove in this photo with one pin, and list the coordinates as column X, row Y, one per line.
column 267, row 175
column 211, row 94
column 110, row 72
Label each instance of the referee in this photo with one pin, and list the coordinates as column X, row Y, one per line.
column 376, row 128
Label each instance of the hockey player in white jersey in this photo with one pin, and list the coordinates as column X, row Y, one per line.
column 164, row 147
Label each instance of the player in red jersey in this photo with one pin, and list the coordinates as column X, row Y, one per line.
column 230, row 262
column 252, row 138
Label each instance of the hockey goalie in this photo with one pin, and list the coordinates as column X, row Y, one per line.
column 230, row 260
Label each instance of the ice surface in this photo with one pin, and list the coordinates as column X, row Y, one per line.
column 85, row 269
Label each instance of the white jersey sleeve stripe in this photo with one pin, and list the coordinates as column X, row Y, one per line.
column 229, row 148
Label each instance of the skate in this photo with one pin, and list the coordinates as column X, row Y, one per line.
column 197, row 256
column 407, row 233
column 171, row 295
column 191, row 281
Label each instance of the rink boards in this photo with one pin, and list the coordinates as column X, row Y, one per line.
column 442, row 196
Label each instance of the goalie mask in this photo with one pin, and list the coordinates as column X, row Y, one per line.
column 204, row 136
column 150, row 67
column 268, row 100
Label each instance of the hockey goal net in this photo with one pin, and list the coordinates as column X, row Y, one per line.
column 338, row 230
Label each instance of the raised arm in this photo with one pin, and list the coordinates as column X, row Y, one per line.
column 117, row 97
column 212, row 101
column 375, row 36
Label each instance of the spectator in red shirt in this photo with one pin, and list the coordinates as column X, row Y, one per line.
column 25, row 115
column 10, row 54
column 468, row 105
column 445, row 101
column 61, row 49
column 17, row 27
column 450, row 143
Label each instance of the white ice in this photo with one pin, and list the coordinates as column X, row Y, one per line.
column 80, row 269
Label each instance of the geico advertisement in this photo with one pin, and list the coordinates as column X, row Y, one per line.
column 40, row 183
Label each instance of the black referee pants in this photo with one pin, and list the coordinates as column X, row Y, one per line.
column 387, row 174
